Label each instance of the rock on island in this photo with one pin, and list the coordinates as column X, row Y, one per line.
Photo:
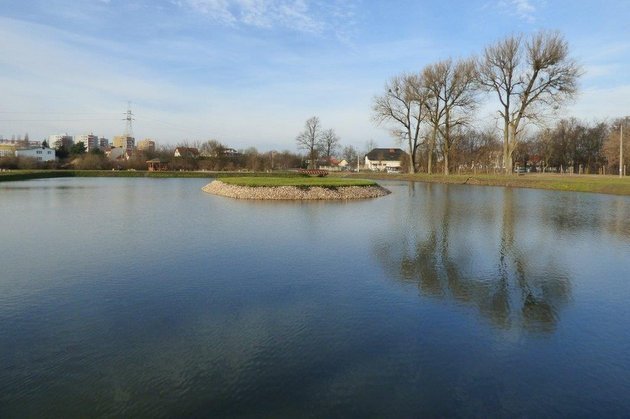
column 293, row 192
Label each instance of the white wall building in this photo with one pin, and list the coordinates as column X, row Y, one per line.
column 39, row 154
column 385, row 159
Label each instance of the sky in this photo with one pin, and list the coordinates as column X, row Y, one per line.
column 249, row 73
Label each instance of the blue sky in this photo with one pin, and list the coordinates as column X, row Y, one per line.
column 250, row 72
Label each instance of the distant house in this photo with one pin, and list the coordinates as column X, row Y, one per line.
column 219, row 152
column 156, row 165
column 229, row 152
column 332, row 164
column 385, row 159
column 7, row 150
column 187, row 152
column 40, row 153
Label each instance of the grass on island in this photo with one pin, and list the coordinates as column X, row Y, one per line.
column 300, row 182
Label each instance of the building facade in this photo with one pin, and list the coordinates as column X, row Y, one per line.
column 123, row 141
column 7, row 150
column 89, row 140
column 39, row 154
column 103, row 143
column 147, row 145
column 385, row 159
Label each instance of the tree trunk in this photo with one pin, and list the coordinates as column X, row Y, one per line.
column 446, row 171
column 511, row 145
column 412, row 159
column 506, row 148
column 430, row 153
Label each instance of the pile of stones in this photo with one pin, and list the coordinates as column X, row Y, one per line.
column 294, row 193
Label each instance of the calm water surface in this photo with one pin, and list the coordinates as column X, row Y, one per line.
column 150, row 298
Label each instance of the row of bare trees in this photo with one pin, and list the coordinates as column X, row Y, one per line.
column 429, row 110
column 317, row 142
column 575, row 146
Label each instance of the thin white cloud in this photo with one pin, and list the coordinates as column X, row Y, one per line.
column 335, row 17
column 218, row 10
column 523, row 9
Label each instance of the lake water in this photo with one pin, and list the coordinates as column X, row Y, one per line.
column 150, row 298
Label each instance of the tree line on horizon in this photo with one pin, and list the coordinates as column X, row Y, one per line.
column 212, row 156
column 568, row 145
column 528, row 78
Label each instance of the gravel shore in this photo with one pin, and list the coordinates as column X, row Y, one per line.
column 293, row 193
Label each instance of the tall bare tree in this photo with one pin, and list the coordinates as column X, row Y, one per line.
column 329, row 143
column 310, row 139
column 452, row 99
column 528, row 77
column 402, row 105
column 434, row 113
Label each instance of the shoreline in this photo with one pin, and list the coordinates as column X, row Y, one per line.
column 588, row 183
column 602, row 184
column 293, row 193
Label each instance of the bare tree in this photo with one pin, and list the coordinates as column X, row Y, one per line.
column 350, row 154
column 434, row 113
column 402, row 105
column 212, row 148
column 329, row 143
column 452, row 99
column 528, row 77
column 310, row 139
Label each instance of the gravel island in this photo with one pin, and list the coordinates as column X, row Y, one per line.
column 294, row 192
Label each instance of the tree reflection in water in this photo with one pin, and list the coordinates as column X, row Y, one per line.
column 481, row 248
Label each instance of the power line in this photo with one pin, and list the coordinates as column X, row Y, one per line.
column 55, row 120
column 58, row 113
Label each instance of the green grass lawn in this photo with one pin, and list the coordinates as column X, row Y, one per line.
column 560, row 182
column 301, row 182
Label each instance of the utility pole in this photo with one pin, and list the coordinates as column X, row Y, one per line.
column 621, row 148
column 622, row 168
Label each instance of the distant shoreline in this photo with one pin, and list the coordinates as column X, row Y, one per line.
column 603, row 184
column 312, row 193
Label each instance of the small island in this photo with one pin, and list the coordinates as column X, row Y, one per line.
column 295, row 188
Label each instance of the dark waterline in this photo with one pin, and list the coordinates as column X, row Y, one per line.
column 150, row 298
